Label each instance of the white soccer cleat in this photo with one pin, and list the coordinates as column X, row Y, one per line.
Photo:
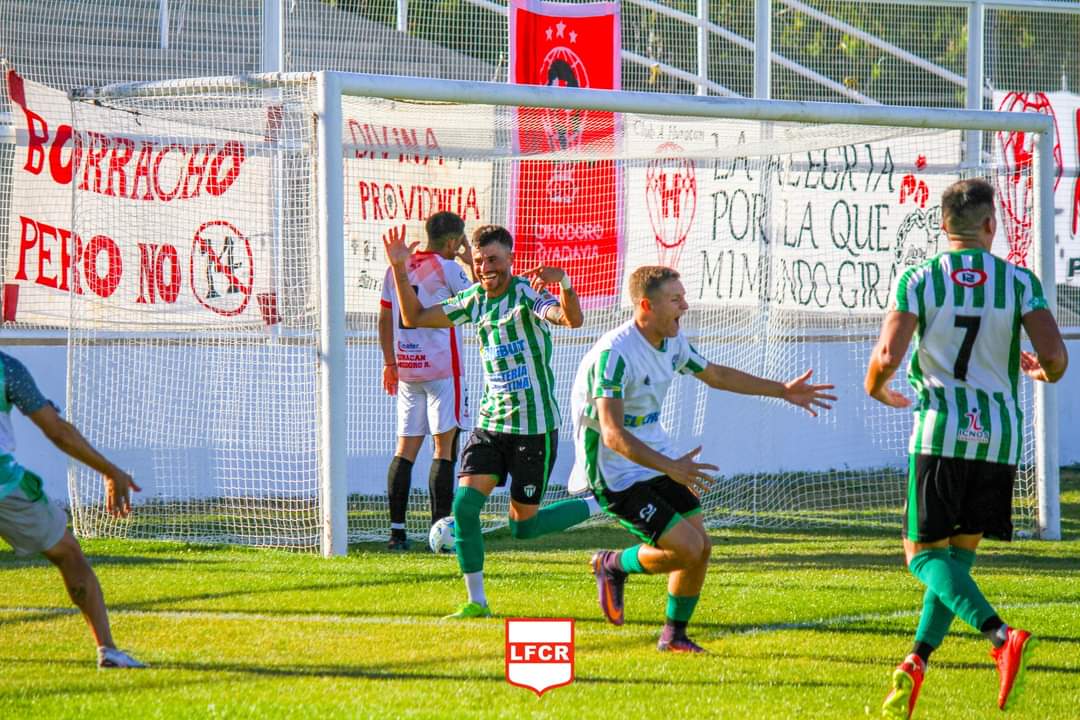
column 108, row 658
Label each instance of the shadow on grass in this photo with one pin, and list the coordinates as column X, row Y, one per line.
column 8, row 559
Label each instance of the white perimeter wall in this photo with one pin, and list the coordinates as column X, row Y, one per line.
column 734, row 432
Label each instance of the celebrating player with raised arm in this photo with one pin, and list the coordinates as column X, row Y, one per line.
column 625, row 456
column 965, row 307
column 517, row 424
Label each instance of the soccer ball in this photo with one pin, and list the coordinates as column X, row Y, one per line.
column 441, row 537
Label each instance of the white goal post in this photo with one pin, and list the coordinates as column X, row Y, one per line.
column 764, row 154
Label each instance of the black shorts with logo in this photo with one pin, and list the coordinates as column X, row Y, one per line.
column 950, row 496
column 649, row 508
column 527, row 459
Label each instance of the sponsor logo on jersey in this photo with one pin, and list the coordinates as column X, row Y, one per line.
column 510, row 380
column 969, row 277
column 500, row 351
column 639, row 420
column 539, row 653
column 974, row 432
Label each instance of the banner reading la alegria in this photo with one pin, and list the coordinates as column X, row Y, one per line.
column 565, row 212
column 173, row 219
column 787, row 216
column 404, row 162
column 1014, row 152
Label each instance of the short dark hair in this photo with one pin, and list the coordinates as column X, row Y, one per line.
column 487, row 234
column 647, row 279
column 965, row 205
column 442, row 227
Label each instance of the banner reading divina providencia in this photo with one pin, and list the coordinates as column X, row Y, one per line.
column 565, row 212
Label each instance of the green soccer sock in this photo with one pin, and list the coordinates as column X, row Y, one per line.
column 468, row 540
column 630, row 562
column 680, row 608
column 554, row 517
column 950, row 582
column 935, row 619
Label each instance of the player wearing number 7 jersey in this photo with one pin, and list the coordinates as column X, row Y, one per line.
column 965, row 308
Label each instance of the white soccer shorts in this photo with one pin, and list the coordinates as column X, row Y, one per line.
column 432, row 407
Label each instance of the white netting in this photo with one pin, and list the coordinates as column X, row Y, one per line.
column 194, row 281
column 192, row 353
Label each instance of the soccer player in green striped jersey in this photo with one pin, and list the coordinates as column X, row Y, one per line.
column 965, row 308
column 624, row 454
column 517, row 425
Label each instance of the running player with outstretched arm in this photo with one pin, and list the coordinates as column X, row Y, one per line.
column 965, row 308
column 517, row 424
column 625, row 456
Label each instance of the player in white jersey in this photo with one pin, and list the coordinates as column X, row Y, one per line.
column 624, row 454
column 31, row 524
column 422, row 366
column 965, row 307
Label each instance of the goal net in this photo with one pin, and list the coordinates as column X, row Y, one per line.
column 200, row 370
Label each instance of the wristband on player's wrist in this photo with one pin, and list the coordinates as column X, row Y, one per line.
column 564, row 283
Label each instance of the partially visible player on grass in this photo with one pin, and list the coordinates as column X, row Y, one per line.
column 965, row 307
column 517, row 426
column 625, row 456
column 31, row 524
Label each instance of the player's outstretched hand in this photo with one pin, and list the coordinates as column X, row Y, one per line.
column 807, row 396
column 118, row 487
column 1029, row 363
column 542, row 275
column 890, row 397
column 397, row 251
column 692, row 474
column 390, row 379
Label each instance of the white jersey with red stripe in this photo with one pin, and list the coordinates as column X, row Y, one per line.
column 427, row 353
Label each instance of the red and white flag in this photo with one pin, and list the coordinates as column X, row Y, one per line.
column 566, row 212
column 539, row 653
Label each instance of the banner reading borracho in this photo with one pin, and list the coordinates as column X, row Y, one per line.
column 567, row 213
column 171, row 220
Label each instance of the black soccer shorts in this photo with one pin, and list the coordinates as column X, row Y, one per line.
column 951, row 496
column 650, row 508
column 527, row 459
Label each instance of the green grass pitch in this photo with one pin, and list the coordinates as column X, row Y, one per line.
column 797, row 624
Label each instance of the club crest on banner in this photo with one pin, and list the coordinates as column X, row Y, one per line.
column 539, row 653
column 566, row 208
column 671, row 197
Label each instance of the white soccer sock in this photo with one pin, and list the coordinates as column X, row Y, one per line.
column 474, row 583
column 594, row 507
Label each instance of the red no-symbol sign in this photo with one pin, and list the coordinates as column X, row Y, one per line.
column 222, row 268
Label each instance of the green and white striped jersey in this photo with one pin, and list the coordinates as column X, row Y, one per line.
column 622, row 364
column 965, row 368
column 515, row 346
